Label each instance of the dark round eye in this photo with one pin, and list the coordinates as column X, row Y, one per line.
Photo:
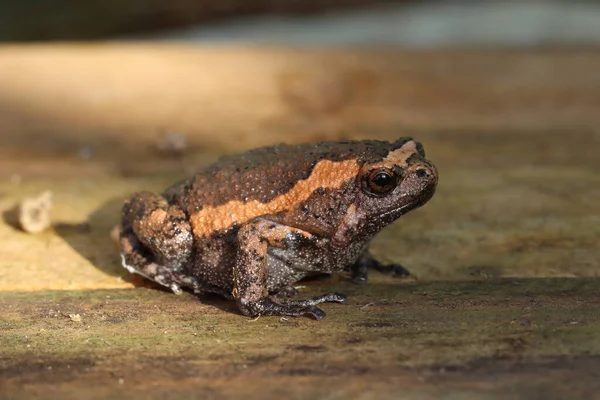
column 382, row 181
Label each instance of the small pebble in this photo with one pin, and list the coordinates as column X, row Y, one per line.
column 34, row 213
column 75, row 317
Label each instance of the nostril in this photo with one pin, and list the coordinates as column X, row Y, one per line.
column 421, row 173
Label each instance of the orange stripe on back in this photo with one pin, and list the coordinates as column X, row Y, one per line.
column 326, row 174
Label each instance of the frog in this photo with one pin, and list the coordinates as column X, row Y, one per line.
column 251, row 225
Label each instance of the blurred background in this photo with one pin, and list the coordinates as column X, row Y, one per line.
column 413, row 23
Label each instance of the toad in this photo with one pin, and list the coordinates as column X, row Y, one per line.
column 251, row 225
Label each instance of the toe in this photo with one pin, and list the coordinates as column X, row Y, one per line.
column 399, row 271
column 316, row 313
column 360, row 278
column 338, row 297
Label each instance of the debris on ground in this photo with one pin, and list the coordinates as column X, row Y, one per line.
column 75, row 317
column 34, row 213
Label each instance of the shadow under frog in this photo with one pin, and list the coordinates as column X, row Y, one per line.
column 93, row 239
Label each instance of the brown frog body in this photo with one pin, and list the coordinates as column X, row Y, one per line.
column 252, row 224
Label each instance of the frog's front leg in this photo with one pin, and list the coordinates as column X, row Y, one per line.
column 359, row 270
column 250, row 273
column 156, row 240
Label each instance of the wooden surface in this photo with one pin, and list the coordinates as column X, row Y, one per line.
column 505, row 256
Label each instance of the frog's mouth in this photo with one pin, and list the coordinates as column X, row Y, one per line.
column 391, row 215
column 400, row 211
column 375, row 224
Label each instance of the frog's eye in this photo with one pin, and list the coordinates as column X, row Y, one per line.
column 381, row 181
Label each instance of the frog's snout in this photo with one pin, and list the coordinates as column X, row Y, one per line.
column 425, row 174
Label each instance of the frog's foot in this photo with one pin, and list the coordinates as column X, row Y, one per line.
column 293, row 308
column 359, row 271
column 397, row 270
column 269, row 307
column 325, row 298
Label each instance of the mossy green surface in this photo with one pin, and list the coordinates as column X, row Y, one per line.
column 458, row 339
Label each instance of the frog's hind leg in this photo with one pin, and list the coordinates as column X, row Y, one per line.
column 137, row 262
column 156, row 240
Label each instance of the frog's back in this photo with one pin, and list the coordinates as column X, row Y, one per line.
column 263, row 174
